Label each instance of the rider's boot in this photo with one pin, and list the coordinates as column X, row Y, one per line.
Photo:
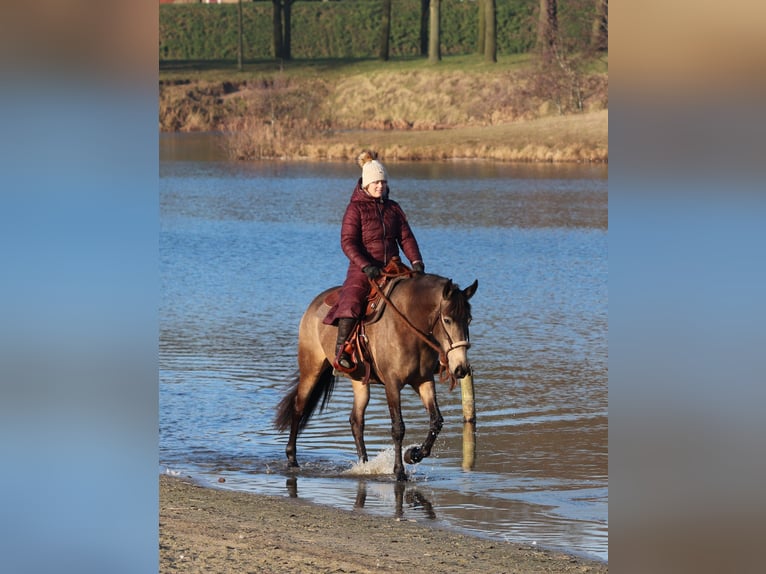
column 343, row 360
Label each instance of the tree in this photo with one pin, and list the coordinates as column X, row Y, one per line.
column 287, row 7
column 434, row 35
column 490, row 32
column 281, row 26
column 239, row 36
column 481, row 36
column 599, row 39
column 385, row 32
column 547, row 28
column 424, row 9
column 276, row 28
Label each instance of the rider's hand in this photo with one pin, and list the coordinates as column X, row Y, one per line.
column 372, row 271
column 418, row 267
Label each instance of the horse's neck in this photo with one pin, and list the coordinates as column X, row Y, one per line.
column 418, row 295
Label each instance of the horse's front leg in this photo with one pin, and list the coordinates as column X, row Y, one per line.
column 393, row 395
column 356, row 419
column 427, row 393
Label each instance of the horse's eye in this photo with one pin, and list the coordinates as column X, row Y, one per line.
column 447, row 321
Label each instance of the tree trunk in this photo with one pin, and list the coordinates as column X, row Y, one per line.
column 599, row 40
column 276, row 28
column 480, row 45
column 239, row 36
column 547, row 29
column 434, row 36
column 490, row 34
column 286, row 34
column 424, row 27
column 385, row 31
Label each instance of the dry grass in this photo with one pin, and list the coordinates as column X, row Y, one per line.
column 572, row 138
column 409, row 111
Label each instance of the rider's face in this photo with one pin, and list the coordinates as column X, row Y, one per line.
column 376, row 188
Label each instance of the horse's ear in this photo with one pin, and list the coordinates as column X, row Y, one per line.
column 471, row 289
column 448, row 287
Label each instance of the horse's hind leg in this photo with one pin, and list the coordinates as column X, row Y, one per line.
column 356, row 419
column 291, row 448
column 315, row 382
column 427, row 394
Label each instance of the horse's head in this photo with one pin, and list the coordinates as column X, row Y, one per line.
column 451, row 329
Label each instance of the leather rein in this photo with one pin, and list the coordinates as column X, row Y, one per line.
column 444, row 372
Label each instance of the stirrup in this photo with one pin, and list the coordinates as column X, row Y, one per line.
column 345, row 361
column 340, row 356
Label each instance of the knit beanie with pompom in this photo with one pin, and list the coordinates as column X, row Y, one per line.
column 372, row 169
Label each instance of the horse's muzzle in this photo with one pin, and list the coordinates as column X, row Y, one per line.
column 462, row 370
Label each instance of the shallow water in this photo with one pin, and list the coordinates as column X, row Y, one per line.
column 244, row 247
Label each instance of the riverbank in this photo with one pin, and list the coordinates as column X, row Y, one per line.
column 206, row 529
column 463, row 109
column 576, row 138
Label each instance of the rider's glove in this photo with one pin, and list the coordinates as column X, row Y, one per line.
column 372, row 271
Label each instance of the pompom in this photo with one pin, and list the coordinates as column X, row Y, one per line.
column 365, row 157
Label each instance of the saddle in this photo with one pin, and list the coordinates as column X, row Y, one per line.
column 394, row 272
column 356, row 345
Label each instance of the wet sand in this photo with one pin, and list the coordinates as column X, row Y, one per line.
column 212, row 530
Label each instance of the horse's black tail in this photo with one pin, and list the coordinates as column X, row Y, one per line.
column 321, row 391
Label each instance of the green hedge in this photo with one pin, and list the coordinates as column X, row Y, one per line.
column 349, row 28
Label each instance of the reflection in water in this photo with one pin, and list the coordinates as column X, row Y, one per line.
column 534, row 467
column 292, row 486
column 402, row 493
column 469, row 445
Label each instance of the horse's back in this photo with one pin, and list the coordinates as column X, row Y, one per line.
column 320, row 304
column 313, row 332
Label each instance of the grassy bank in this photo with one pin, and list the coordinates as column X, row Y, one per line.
column 406, row 109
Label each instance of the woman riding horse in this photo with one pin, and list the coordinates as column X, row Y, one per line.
column 373, row 228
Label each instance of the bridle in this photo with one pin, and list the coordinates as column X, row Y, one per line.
column 444, row 372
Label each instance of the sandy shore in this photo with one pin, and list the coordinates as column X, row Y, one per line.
column 211, row 530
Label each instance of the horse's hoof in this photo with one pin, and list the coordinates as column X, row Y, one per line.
column 292, row 464
column 413, row 455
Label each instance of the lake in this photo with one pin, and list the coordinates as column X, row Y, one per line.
column 245, row 246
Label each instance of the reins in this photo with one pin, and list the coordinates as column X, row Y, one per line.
column 444, row 372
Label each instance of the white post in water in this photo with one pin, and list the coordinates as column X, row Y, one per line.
column 469, row 422
column 466, row 391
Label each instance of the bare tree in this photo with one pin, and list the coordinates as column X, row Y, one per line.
column 281, row 27
column 481, row 36
column 599, row 39
column 287, row 8
column 276, row 28
column 385, row 32
column 239, row 36
column 434, row 36
column 424, row 9
column 490, row 32
column 547, row 28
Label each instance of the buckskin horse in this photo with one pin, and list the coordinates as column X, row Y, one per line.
column 423, row 329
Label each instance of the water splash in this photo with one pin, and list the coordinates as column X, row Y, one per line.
column 383, row 463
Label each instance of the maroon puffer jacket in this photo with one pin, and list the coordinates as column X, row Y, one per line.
column 373, row 229
column 371, row 233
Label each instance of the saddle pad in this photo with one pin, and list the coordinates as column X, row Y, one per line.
column 375, row 302
column 332, row 297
